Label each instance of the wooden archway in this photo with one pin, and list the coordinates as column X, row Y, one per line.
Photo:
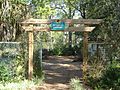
column 83, row 25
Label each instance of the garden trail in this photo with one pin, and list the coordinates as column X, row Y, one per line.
column 58, row 72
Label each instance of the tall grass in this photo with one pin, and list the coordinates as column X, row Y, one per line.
column 76, row 84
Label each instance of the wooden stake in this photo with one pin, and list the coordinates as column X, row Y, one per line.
column 85, row 55
column 30, row 62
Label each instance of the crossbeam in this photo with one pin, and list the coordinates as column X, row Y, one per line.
column 71, row 29
column 69, row 21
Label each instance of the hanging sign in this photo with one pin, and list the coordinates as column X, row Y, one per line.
column 58, row 25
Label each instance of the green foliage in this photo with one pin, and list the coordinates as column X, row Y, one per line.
column 4, row 74
column 56, row 51
column 42, row 9
column 38, row 71
column 97, row 66
column 11, row 12
column 12, row 70
column 68, row 51
column 109, row 80
column 37, row 57
column 44, row 12
column 109, row 29
column 76, row 84
column 61, row 49
column 58, row 48
column 11, row 63
column 22, row 85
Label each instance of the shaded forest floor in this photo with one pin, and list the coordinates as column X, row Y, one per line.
column 58, row 72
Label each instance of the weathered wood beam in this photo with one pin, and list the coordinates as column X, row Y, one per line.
column 42, row 21
column 87, row 21
column 69, row 21
column 72, row 29
column 10, row 42
column 100, row 43
column 88, row 29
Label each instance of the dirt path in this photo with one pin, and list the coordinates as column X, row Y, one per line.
column 58, row 72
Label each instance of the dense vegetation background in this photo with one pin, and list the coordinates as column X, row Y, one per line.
column 104, row 72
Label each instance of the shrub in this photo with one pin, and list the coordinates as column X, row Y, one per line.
column 38, row 72
column 76, row 84
column 12, row 69
column 4, row 72
column 110, row 79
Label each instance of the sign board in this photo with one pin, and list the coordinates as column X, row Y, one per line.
column 57, row 25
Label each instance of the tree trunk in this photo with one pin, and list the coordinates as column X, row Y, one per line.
column 70, row 39
column 70, row 33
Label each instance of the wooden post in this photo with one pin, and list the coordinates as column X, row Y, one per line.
column 30, row 62
column 85, row 55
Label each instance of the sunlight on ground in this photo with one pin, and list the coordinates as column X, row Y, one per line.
column 64, row 65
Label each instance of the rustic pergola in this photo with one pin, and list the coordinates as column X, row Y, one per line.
column 82, row 25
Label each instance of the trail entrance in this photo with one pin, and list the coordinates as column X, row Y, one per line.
column 74, row 25
column 58, row 72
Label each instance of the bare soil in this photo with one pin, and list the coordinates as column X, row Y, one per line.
column 58, row 72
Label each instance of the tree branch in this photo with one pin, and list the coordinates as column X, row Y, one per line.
column 62, row 10
column 77, row 8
